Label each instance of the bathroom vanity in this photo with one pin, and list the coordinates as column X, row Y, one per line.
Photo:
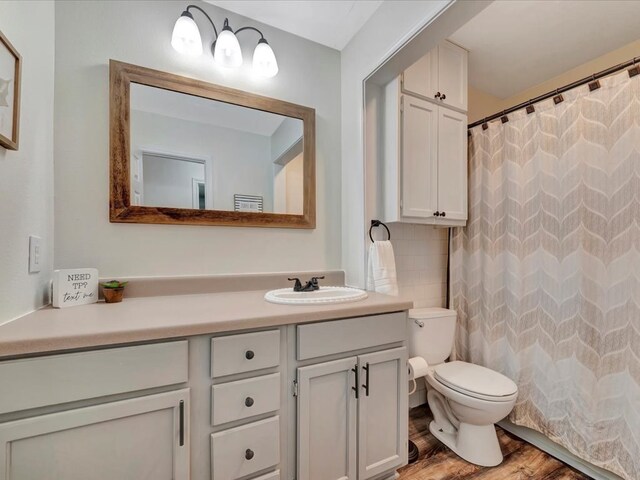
column 216, row 386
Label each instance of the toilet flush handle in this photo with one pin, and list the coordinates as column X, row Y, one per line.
column 419, row 323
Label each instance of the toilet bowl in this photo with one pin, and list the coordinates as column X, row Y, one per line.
column 466, row 399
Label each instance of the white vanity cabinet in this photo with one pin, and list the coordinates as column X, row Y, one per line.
column 440, row 75
column 382, row 412
column 316, row 401
column 353, row 411
column 327, row 421
column 133, row 439
column 246, row 405
column 143, row 436
column 425, row 146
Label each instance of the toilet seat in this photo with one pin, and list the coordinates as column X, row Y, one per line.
column 475, row 381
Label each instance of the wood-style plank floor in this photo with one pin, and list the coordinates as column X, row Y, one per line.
column 522, row 461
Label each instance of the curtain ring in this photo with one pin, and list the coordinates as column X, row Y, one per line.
column 634, row 70
column 530, row 107
column 558, row 97
column 504, row 118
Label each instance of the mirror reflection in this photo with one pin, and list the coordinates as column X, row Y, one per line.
column 197, row 153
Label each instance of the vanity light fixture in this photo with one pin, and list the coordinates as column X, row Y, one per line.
column 226, row 50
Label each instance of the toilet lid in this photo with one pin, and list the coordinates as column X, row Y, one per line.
column 474, row 380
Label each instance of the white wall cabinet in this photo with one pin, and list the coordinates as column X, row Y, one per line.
column 352, row 416
column 440, row 75
column 424, row 158
column 419, row 139
column 452, row 165
column 133, row 439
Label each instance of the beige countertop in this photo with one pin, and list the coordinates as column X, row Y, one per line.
column 152, row 318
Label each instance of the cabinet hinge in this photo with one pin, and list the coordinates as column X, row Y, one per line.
column 295, row 388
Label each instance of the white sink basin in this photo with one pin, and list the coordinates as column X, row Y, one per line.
column 324, row 296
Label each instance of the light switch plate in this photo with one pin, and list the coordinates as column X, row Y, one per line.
column 35, row 254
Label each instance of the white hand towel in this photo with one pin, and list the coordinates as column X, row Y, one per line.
column 381, row 276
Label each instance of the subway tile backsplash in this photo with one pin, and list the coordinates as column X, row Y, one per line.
column 421, row 263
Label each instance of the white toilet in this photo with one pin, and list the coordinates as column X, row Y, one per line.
column 465, row 399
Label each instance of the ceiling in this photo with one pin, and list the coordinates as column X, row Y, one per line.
column 203, row 110
column 515, row 45
column 329, row 22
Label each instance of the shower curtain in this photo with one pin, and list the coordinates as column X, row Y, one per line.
column 546, row 275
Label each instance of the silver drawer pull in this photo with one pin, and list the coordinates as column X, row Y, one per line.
column 248, row 402
column 249, row 454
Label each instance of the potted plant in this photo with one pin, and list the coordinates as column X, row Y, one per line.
column 113, row 291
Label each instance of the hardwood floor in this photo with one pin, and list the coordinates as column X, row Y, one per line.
column 522, row 461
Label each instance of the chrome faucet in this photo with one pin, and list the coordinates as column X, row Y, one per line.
column 310, row 286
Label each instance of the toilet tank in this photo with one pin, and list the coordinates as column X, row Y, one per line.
column 432, row 341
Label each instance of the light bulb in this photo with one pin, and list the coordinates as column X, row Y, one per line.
column 186, row 36
column 227, row 51
column 264, row 60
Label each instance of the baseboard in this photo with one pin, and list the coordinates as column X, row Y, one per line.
column 548, row 446
column 419, row 397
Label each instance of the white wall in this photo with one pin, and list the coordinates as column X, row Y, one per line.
column 88, row 34
column 168, row 182
column 26, row 181
column 237, row 162
column 285, row 136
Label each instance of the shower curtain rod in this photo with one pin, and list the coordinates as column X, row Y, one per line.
column 590, row 79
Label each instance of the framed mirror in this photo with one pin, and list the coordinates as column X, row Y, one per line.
column 184, row 151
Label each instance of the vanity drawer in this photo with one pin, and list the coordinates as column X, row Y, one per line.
column 241, row 451
column 55, row 379
column 338, row 336
column 245, row 398
column 244, row 352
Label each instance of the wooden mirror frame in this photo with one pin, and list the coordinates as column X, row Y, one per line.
column 121, row 75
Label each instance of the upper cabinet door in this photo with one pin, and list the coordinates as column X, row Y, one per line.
column 452, row 165
column 139, row 438
column 421, row 78
column 419, row 157
column 452, row 75
column 327, row 415
column 382, row 425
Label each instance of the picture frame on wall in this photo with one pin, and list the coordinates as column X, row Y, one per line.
column 10, row 68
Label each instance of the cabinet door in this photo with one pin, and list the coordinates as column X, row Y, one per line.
column 452, row 165
column 134, row 439
column 383, row 412
column 327, row 421
column 452, row 75
column 421, row 78
column 419, row 152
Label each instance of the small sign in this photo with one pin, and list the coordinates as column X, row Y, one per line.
column 77, row 286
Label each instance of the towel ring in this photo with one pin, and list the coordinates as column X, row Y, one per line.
column 377, row 223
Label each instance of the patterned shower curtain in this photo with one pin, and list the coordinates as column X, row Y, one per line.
column 546, row 275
